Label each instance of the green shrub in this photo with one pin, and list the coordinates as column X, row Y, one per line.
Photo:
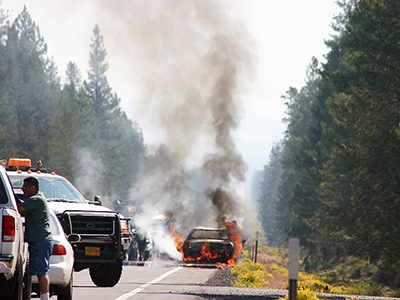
column 354, row 287
column 364, row 288
column 355, row 268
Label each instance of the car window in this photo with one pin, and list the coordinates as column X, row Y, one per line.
column 53, row 226
column 53, row 189
column 3, row 194
column 209, row 234
column 57, row 189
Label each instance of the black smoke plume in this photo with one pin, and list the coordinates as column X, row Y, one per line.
column 189, row 61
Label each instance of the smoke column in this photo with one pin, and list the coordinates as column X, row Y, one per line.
column 190, row 61
column 225, row 60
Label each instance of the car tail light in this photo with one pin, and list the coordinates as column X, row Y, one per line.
column 8, row 229
column 59, row 250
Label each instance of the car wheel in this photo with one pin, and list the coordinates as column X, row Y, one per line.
column 16, row 283
column 65, row 292
column 106, row 275
column 27, row 282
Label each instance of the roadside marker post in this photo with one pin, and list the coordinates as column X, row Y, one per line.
column 294, row 255
column 256, row 249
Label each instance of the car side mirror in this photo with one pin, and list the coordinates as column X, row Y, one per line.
column 98, row 200
column 74, row 238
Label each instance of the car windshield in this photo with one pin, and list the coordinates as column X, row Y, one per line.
column 209, row 234
column 54, row 189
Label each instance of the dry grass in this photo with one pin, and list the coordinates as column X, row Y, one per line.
column 279, row 280
column 276, row 265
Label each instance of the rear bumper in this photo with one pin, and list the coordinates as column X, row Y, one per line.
column 110, row 248
column 60, row 274
column 6, row 264
column 109, row 253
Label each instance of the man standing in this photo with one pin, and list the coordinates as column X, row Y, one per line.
column 37, row 233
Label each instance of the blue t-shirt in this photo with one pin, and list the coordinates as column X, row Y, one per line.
column 37, row 219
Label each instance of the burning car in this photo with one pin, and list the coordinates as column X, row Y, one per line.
column 209, row 245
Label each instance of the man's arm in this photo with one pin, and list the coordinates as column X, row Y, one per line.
column 21, row 209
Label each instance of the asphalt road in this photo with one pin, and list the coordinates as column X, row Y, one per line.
column 172, row 281
column 165, row 281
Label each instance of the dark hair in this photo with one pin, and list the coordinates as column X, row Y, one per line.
column 32, row 181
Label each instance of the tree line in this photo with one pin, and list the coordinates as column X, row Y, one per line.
column 334, row 179
column 66, row 125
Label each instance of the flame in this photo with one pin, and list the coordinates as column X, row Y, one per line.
column 178, row 239
column 236, row 238
column 206, row 253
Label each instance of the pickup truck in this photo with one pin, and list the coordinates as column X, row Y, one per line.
column 99, row 236
column 15, row 280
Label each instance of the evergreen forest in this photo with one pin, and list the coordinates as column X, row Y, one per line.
column 76, row 128
column 334, row 179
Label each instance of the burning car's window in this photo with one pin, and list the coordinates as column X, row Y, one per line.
column 209, row 234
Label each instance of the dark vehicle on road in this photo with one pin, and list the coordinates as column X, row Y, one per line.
column 208, row 245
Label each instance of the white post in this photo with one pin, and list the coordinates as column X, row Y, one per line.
column 294, row 255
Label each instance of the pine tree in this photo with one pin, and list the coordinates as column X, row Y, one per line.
column 363, row 168
column 109, row 132
column 27, row 84
column 8, row 117
column 292, row 211
column 99, row 91
column 271, row 179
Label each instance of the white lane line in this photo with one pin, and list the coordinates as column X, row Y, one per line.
column 142, row 287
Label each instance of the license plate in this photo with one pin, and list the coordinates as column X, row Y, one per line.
column 92, row 251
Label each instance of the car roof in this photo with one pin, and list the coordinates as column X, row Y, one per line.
column 208, row 229
column 37, row 174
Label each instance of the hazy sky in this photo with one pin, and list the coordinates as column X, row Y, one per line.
column 285, row 34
